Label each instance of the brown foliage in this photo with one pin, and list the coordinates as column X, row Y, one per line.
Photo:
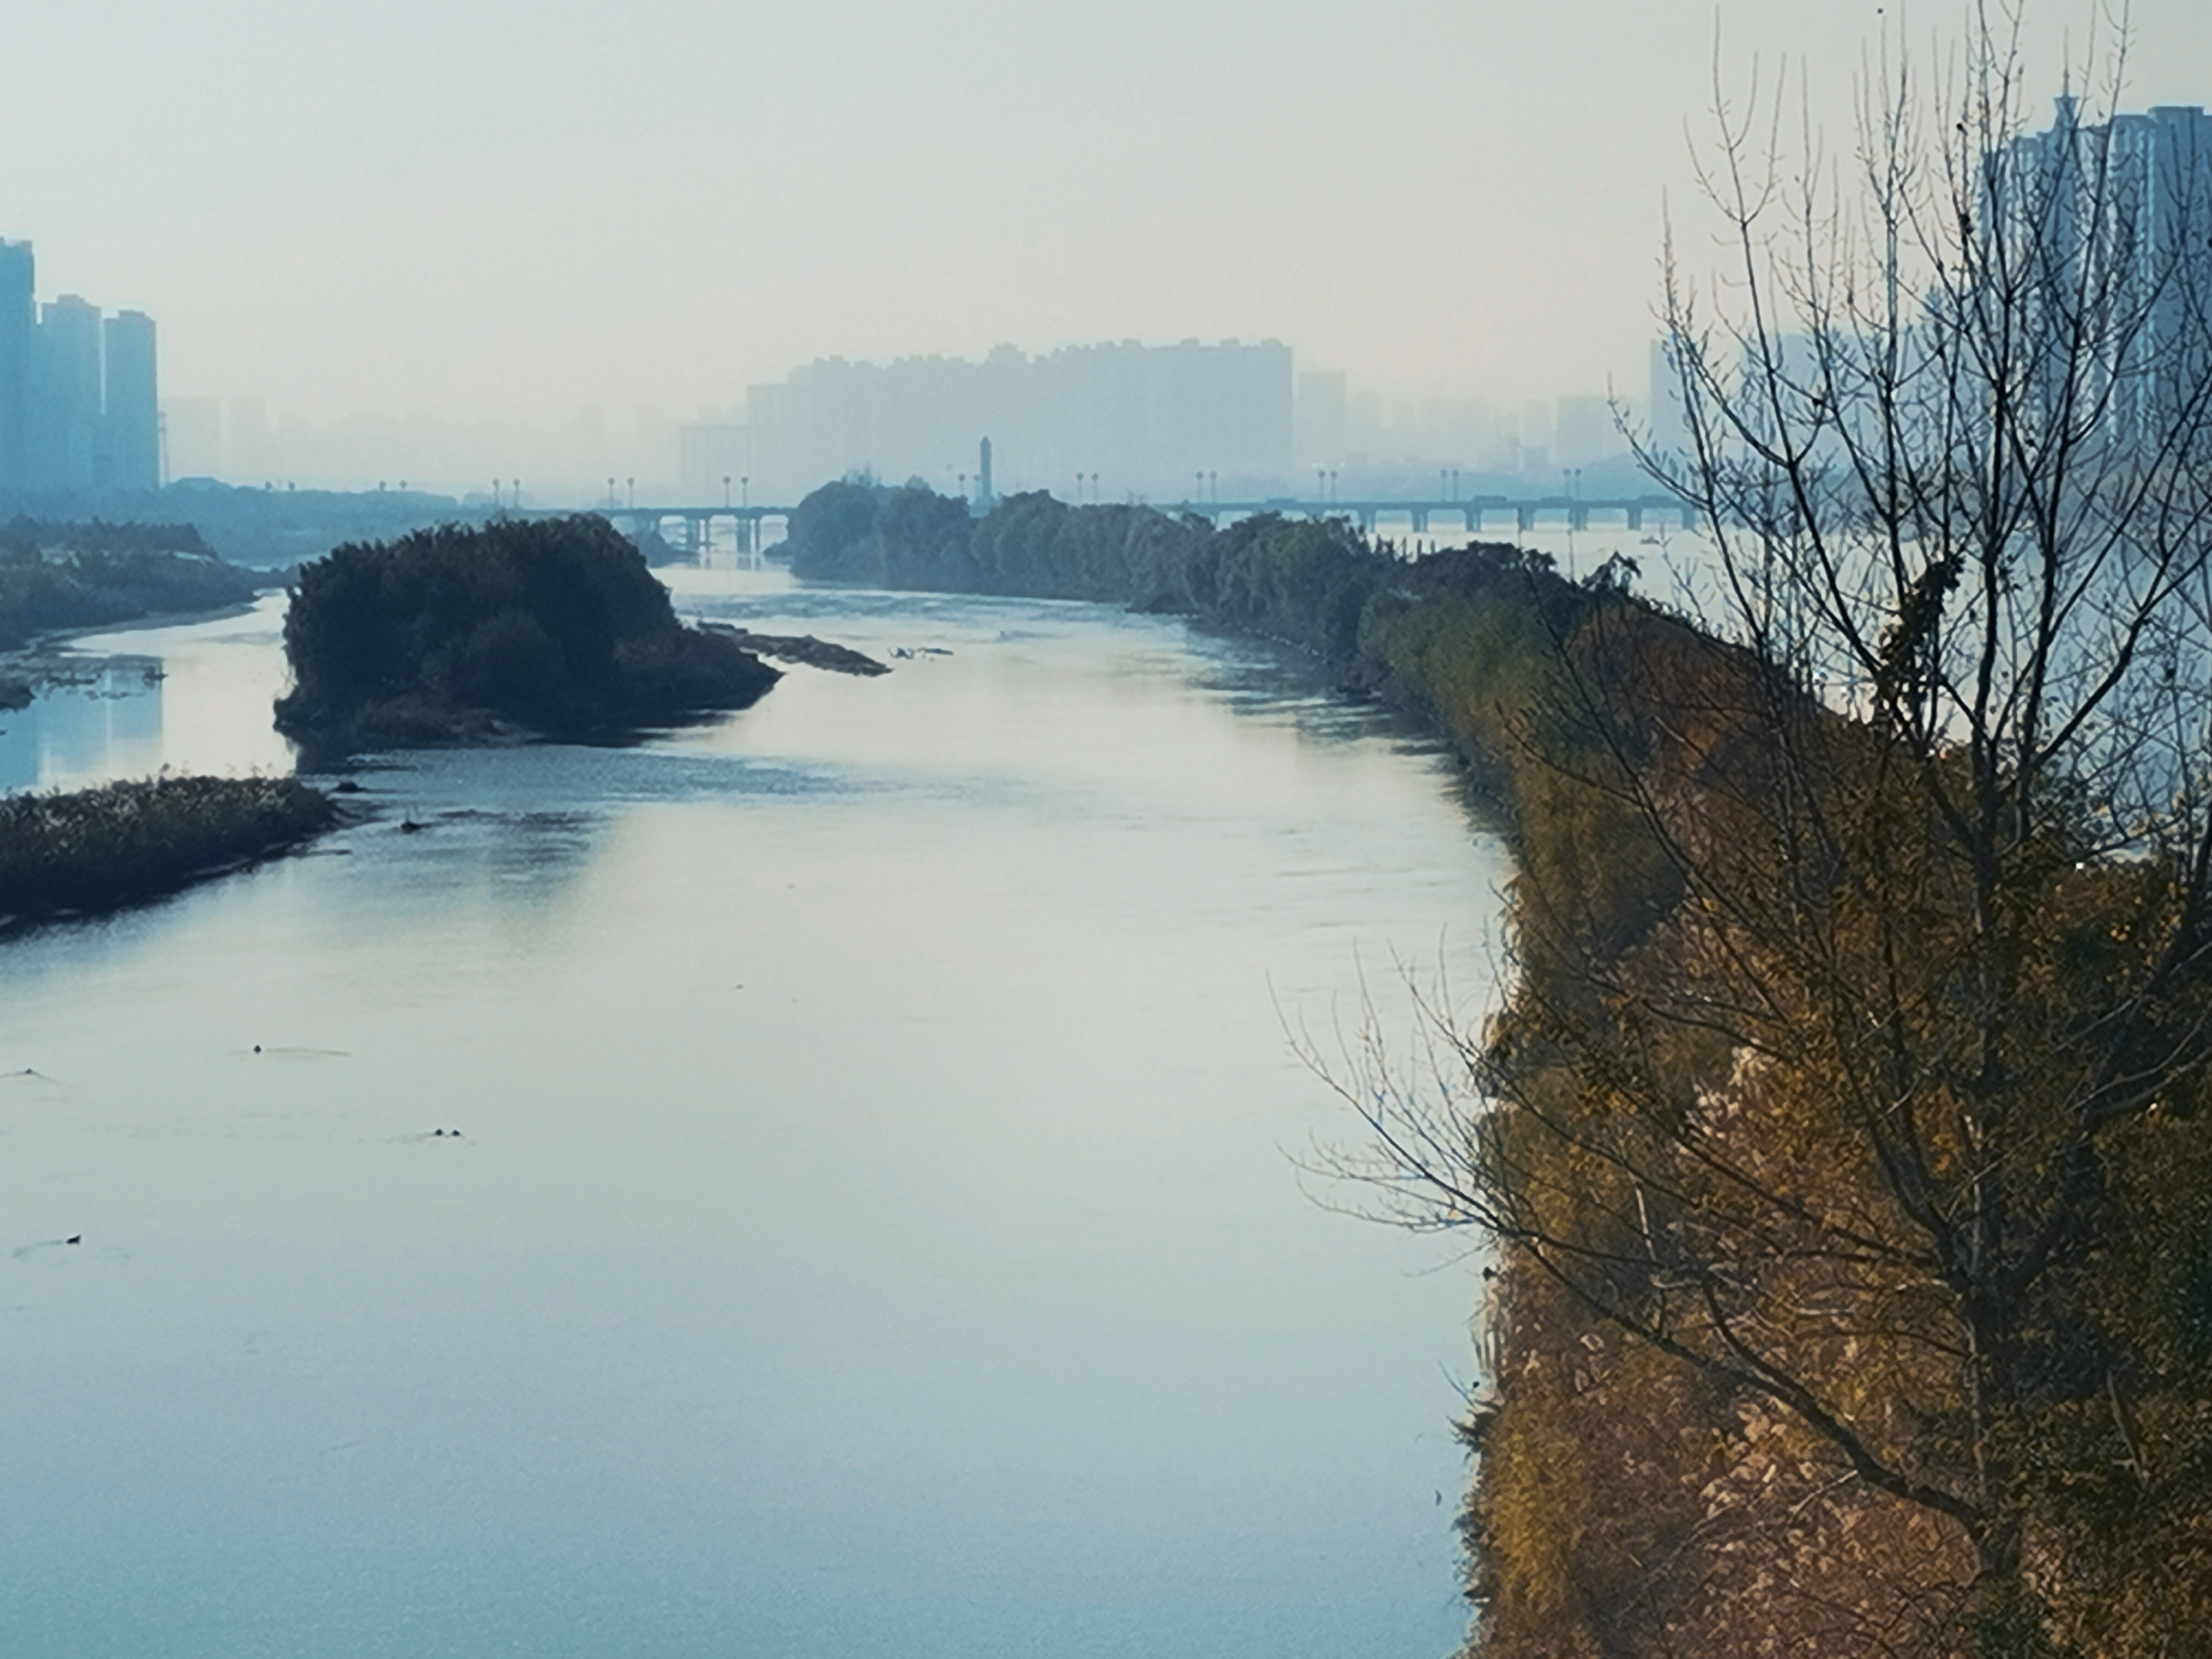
column 99, row 848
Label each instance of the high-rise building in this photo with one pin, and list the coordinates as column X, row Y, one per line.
column 1586, row 431
column 711, row 457
column 79, row 401
column 1143, row 420
column 19, row 321
column 65, row 395
column 1322, row 410
column 2117, row 218
column 130, row 454
column 191, row 430
column 252, row 445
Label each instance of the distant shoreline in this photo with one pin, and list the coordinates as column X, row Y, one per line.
column 45, row 659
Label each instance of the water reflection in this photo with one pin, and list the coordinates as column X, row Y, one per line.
column 870, row 1231
column 193, row 697
column 102, row 717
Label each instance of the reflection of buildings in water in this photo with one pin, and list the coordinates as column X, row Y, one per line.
column 104, row 724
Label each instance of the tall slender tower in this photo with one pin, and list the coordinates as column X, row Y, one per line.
column 66, row 394
column 129, row 455
column 984, row 496
column 19, row 327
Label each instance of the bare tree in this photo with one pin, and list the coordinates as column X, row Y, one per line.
column 1864, row 1119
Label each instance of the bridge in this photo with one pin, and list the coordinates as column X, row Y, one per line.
column 1474, row 513
column 698, row 523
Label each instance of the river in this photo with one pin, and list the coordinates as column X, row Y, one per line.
column 873, row 1222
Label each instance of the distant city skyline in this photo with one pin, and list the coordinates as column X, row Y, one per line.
column 1107, row 421
column 79, row 391
column 494, row 213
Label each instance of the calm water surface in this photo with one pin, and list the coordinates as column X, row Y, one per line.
column 874, row 1227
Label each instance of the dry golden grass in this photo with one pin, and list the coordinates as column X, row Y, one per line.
column 96, row 849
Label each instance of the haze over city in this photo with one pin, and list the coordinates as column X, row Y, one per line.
column 491, row 212
column 870, row 831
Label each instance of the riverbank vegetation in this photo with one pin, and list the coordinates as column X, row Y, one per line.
column 58, row 575
column 1842, row 1141
column 509, row 631
column 95, row 850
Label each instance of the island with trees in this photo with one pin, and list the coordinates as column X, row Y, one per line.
column 503, row 632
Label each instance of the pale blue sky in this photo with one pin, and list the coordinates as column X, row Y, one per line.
column 513, row 208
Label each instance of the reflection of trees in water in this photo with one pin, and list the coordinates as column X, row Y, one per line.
column 89, row 718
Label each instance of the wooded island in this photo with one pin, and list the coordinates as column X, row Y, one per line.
column 517, row 629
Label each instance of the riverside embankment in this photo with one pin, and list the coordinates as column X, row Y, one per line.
column 1468, row 638
column 1809, row 1333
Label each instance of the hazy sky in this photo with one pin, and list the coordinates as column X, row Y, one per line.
column 512, row 208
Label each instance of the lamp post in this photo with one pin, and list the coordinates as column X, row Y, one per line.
column 726, row 490
column 632, row 483
column 610, row 492
column 745, row 490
